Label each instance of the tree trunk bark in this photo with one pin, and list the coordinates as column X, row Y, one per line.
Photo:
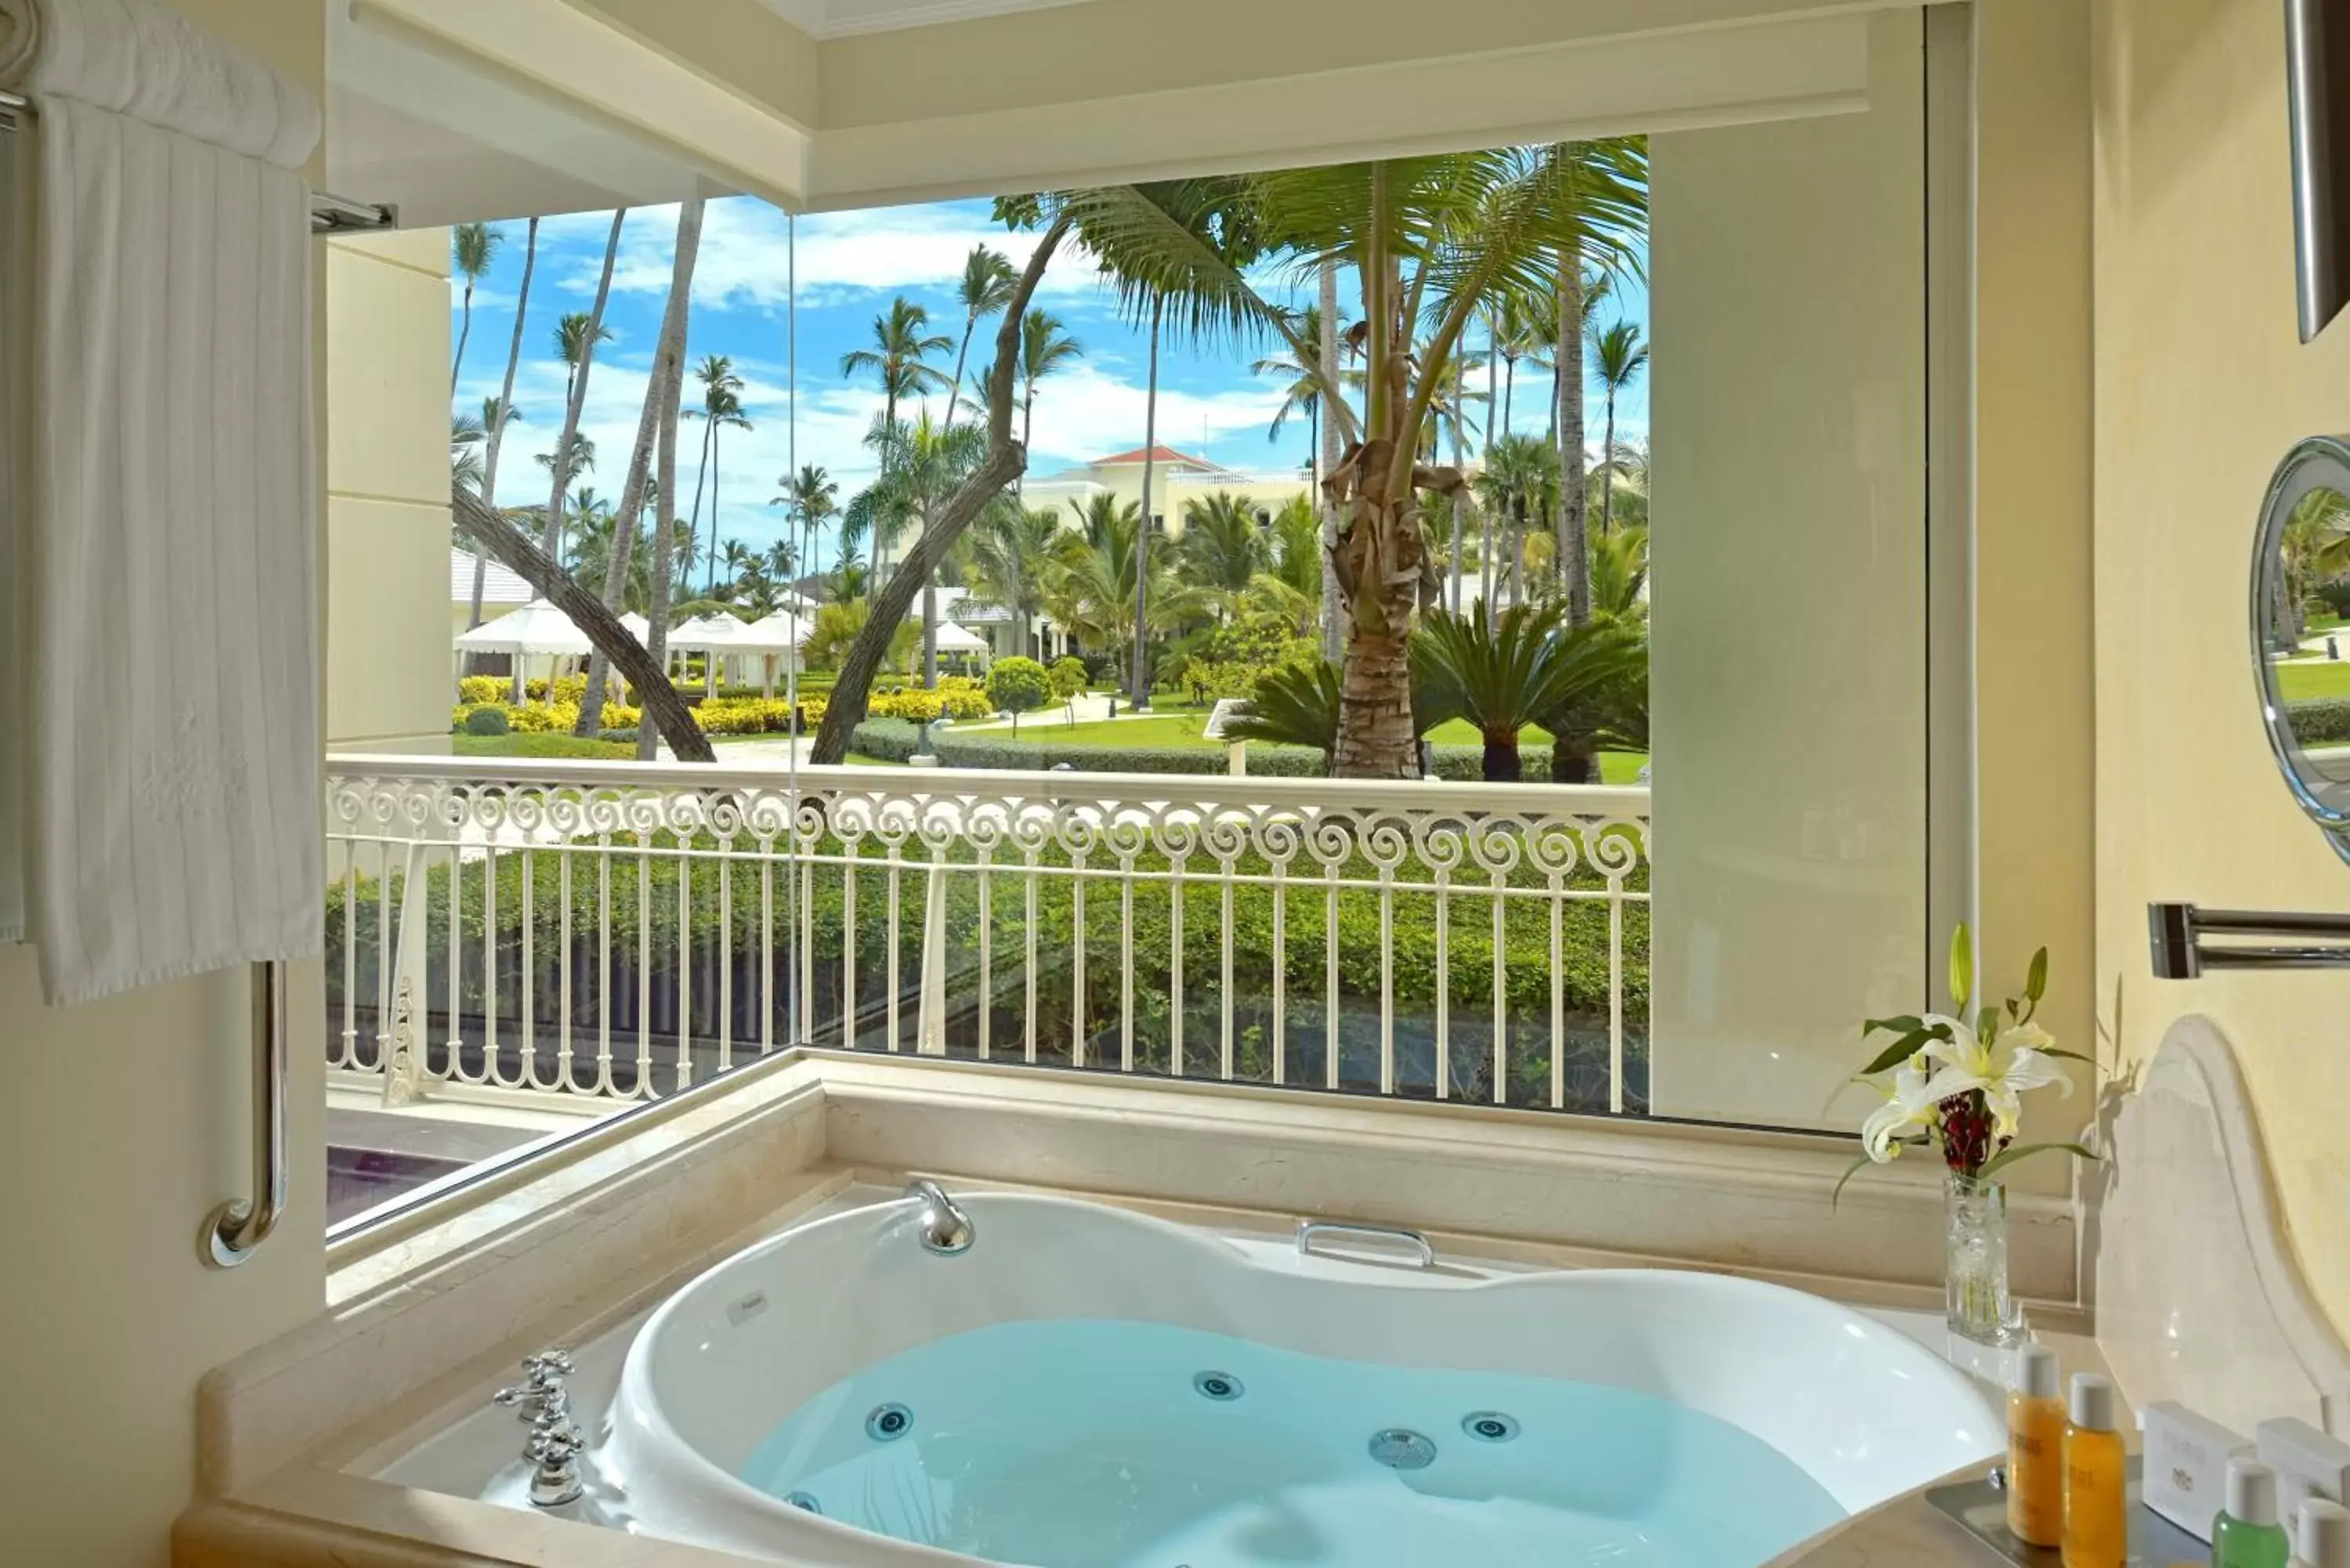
column 551, row 534
column 603, row 630
column 1141, row 694
column 1502, row 763
column 1573, row 562
column 494, row 439
column 660, row 391
column 1006, row 460
column 1375, row 730
column 664, row 560
column 1460, row 461
column 1334, row 632
column 1607, row 470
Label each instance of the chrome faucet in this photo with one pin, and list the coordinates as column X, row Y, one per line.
column 543, row 1400
column 945, row 1229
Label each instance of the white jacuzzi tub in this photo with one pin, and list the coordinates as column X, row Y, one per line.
column 1086, row 1388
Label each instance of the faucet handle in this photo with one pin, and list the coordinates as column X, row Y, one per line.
column 547, row 1365
column 555, row 1478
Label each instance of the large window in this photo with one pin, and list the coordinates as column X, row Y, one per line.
column 1677, row 843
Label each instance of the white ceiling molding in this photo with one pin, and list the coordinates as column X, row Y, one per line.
column 840, row 18
column 1672, row 81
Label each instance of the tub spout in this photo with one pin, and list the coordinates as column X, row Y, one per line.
column 945, row 1230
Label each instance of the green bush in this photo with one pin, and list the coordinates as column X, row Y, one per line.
column 487, row 719
column 627, row 737
column 1018, row 685
column 2320, row 720
column 890, row 740
column 1067, row 676
column 998, row 750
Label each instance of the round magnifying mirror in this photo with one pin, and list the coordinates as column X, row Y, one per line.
column 2300, row 642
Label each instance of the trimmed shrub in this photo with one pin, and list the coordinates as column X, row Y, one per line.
column 891, row 740
column 955, row 699
column 1019, row 686
column 2320, row 720
column 627, row 737
column 1067, row 676
column 995, row 750
column 489, row 719
column 475, row 689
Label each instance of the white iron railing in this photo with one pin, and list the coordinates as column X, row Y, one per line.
column 619, row 930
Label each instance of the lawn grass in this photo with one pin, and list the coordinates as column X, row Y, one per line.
column 545, row 744
column 1182, row 730
column 2329, row 678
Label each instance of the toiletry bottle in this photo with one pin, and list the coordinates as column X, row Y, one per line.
column 2035, row 1449
column 2097, row 1485
column 2246, row 1533
column 2320, row 1536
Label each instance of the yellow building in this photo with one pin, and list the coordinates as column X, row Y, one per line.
column 1177, row 478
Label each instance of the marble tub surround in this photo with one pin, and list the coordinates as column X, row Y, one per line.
column 436, row 1316
column 2197, row 1295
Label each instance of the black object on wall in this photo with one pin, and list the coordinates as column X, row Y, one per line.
column 2317, row 65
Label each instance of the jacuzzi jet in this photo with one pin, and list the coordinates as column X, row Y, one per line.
column 804, row 1500
column 888, row 1423
column 1490, row 1425
column 1402, row 1448
column 1222, row 1386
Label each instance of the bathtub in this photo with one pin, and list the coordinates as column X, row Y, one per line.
column 1087, row 1388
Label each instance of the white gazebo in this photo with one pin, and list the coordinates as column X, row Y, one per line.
column 962, row 641
column 538, row 630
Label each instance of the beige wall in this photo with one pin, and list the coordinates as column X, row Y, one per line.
column 122, row 1125
column 1787, row 413
column 388, row 666
column 2200, row 387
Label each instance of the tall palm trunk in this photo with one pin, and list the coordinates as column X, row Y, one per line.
column 880, row 523
column 495, row 438
column 663, row 558
column 710, row 586
column 553, row 531
column 1574, row 546
column 1143, row 541
column 1485, row 519
column 662, row 392
column 1334, row 629
column 1460, row 459
column 1607, row 469
column 693, row 526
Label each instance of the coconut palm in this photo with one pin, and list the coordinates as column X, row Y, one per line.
column 476, row 246
column 1045, row 347
column 465, row 451
column 1520, row 483
column 1014, row 548
column 1221, row 547
column 810, row 499
column 1618, row 354
column 721, row 404
column 983, row 290
column 1302, row 394
column 902, row 345
column 1430, row 240
column 1092, row 594
column 577, row 344
column 496, row 428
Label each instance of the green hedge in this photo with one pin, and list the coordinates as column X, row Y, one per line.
column 896, row 740
column 2320, row 720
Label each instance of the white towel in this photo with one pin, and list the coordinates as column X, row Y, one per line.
column 162, row 507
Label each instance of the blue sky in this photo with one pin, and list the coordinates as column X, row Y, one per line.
column 850, row 265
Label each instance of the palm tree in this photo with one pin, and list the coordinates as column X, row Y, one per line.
column 577, row 347
column 475, row 245
column 1091, row 591
column 1498, row 672
column 1012, row 551
column 1303, row 395
column 497, row 427
column 902, row 345
column 1618, row 354
column 1619, row 571
column 1430, row 240
column 1222, row 548
column 810, row 499
column 571, row 337
column 1141, row 690
column 983, row 290
column 465, row 451
column 1520, row 483
column 923, row 465
column 721, row 404
column 1045, row 347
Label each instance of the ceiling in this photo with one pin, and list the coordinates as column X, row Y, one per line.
column 839, row 19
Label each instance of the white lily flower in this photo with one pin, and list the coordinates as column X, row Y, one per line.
column 1909, row 1102
column 2006, row 1067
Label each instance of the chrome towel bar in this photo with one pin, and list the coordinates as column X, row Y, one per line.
column 2175, row 934
column 234, row 1230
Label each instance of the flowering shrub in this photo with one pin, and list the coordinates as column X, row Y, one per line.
column 540, row 718
column 474, row 690
column 569, row 688
column 960, row 699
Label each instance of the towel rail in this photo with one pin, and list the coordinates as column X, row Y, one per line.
column 234, row 1230
column 329, row 213
column 2175, row 934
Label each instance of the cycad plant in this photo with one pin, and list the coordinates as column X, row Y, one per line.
column 1295, row 705
column 1501, row 673
column 1603, row 708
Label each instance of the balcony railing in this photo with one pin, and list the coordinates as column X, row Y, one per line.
column 617, row 930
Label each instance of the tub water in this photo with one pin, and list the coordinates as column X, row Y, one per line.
column 1091, row 1388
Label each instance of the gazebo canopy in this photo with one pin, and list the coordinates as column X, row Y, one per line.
column 712, row 634
column 953, row 638
column 536, row 630
column 776, row 634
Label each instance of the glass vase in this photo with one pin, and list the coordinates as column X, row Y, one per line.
column 1976, row 1302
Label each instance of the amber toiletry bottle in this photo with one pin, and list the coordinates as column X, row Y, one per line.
column 2035, row 1449
column 2096, row 1485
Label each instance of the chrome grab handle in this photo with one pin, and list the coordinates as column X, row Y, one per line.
column 235, row 1229
column 2176, row 931
column 1307, row 1229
